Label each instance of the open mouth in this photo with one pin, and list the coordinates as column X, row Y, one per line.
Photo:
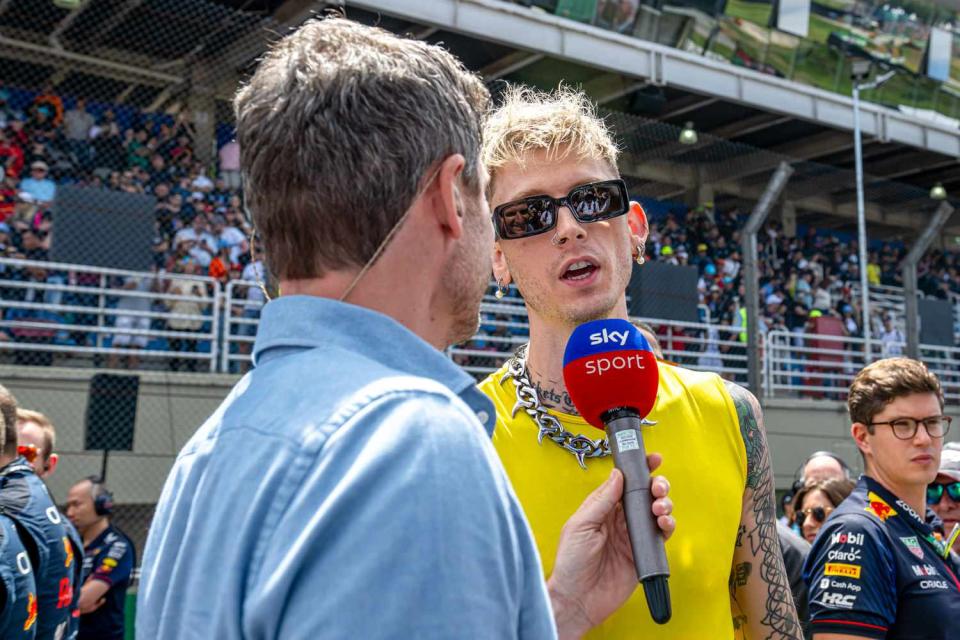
column 579, row 270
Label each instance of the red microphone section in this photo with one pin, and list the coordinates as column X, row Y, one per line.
column 608, row 365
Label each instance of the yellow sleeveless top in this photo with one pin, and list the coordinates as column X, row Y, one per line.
column 698, row 434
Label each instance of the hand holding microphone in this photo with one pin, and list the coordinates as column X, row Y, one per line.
column 612, row 378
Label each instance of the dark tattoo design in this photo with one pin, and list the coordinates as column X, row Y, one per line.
column 780, row 615
column 553, row 399
column 740, row 574
column 742, row 530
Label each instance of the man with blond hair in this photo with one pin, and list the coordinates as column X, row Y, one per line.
column 879, row 567
column 37, row 440
column 553, row 163
column 347, row 487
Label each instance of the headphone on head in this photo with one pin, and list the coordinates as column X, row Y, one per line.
column 799, row 480
column 102, row 498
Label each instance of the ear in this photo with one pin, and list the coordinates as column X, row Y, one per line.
column 637, row 221
column 51, row 465
column 500, row 269
column 859, row 432
column 443, row 196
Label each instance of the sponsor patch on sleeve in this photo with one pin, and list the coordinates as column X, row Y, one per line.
column 879, row 508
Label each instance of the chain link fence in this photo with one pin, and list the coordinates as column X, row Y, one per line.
column 130, row 282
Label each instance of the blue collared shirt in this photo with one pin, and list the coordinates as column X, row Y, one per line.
column 345, row 488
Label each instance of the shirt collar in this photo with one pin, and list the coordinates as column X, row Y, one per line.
column 295, row 323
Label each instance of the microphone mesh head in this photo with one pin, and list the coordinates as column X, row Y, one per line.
column 608, row 364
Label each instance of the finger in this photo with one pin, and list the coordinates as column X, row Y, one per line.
column 600, row 503
column 654, row 460
column 659, row 487
column 662, row 507
column 667, row 525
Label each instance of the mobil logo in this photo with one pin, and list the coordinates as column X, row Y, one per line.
column 847, row 538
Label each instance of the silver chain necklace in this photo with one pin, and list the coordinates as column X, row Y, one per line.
column 527, row 399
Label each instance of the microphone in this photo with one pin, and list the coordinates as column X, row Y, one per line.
column 612, row 377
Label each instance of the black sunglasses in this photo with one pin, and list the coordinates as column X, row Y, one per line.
column 533, row 215
column 935, row 492
column 819, row 514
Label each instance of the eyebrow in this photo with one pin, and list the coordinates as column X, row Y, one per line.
column 537, row 191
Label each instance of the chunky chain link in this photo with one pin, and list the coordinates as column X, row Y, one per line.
column 527, row 399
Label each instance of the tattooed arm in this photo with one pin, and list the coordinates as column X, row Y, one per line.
column 761, row 603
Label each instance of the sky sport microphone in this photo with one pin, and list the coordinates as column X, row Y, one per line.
column 612, row 377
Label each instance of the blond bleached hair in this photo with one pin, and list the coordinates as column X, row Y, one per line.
column 560, row 122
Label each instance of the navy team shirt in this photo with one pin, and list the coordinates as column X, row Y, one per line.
column 109, row 557
column 876, row 570
column 18, row 589
column 24, row 496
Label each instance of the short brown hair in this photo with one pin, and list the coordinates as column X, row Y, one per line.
column 337, row 129
column 836, row 490
column 880, row 383
column 8, row 422
column 49, row 433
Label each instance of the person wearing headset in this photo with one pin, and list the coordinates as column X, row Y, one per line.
column 45, row 533
column 109, row 558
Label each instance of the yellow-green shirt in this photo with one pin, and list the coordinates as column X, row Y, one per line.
column 698, row 434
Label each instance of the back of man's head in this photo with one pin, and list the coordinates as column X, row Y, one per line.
column 337, row 129
column 8, row 423
column 559, row 123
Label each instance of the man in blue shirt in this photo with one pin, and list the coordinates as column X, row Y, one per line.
column 347, row 487
column 39, row 187
column 877, row 568
column 108, row 561
column 55, row 560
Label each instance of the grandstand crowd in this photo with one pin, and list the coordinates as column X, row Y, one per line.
column 48, row 140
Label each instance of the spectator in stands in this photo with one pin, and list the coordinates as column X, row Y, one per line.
column 37, row 440
column 891, row 337
column 816, row 501
column 191, row 307
column 39, row 187
column 50, row 102
column 107, row 140
column 230, row 164
column 228, row 237
column 41, row 127
column 139, row 303
column 77, row 124
column 11, row 155
column 108, row 561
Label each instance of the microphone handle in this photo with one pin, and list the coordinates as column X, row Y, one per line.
column 646, row 540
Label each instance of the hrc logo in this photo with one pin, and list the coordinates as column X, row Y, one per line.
column 878, row 507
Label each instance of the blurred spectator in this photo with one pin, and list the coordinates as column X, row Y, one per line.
column 77, row 124
column 11, row 155
column 140, row 303
column 816, row 501
column 50, row 102
column 230, row 164
column 37, row 441
column 190, row 307
column 39, row 187
column 891, row 338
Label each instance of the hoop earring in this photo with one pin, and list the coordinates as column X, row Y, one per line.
column 499, row 293
column 641, row 249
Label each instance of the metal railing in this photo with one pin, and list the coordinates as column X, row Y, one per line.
column 241, row 317
column 63, row 311
column 823, row 366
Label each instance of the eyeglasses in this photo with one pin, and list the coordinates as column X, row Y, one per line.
column 534, row 215
column 28, row 451
column 817, row 513
column 906, row 428
column 935, row 492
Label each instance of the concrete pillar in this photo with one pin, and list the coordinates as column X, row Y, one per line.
column 789, row 219
column 201, row 109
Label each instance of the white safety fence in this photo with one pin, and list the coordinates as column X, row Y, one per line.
column 823, row 366
column 77, row 316
column 70, row 315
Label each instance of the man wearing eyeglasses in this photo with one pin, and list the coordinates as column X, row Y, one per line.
column 878, row 568
column 551, row 156
column 943, row 495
